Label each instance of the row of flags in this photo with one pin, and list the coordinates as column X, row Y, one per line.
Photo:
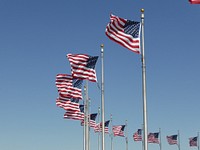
column 154, row 138
column 70, row 85
column 70, row 92
column 122, row 31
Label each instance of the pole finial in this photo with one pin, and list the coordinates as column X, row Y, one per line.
column 142, row 10
column 102, row 46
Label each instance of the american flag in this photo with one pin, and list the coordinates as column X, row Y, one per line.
column 92, row 122
column 153, row 138
column 193, row 141
column 172, row 139
column 137, row 136
column 75, row 115
column 83, row 66
column 68, row 86
column 68, row 104
column 63, row 80
column 98, row 127
column 116, row 130
column 124, row 32
column 194, row 1
column 121, row 132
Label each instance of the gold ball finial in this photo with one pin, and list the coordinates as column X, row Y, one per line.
column 142, row 10
column 102, row 48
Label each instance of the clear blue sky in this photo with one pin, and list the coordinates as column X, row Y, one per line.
column 36, row 36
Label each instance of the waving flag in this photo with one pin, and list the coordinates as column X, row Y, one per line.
column 194, row 1
column 98, row 127
column 153, row 138
column 172, row 139
column 193, row 141
column 124, row 32
column 68, row 104
column 82, row 66
column 116, row 130
column 75, row 115
column 137, row 136
column 69, row 87
column 63, row 80
column 121, row 132
column 92, row 122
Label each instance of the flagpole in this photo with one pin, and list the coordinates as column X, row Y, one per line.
column 142, row 137
column 84, row 122
column 144, row 84
column 102, row 97
column 198, row 140
column 160, row 139
column 89, row 104
column 126, row 135
column 111, row 133
column 86, row 117
column 99, row 132
column 178, row 140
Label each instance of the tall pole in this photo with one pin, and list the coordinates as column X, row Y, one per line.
column 126, row 125
column 198, row 140
column 142, row 137
column 86, row 117
column 84, row 103
column 89, row 104
column 102, row 97
column 179, row 147
column 111, row 133
column 160, row 139
column 144, row 84
column 99, row 132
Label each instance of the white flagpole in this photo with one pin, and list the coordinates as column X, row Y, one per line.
column 111, row 132
column 142, row 137
column 144, row 84
column 179, row 140
column 160, row 139
column 84, row 121
column 86, row 117
column 198, row 140
column 126, row 126
column 98, row 132
column 89, row 104
column 102, row 97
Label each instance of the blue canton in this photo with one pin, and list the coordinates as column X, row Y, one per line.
column 132, row 28
column 91, row 62
column 77, row 83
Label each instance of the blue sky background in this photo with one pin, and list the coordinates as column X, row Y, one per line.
column 36, row 36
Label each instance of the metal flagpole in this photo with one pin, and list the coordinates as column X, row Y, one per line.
column 126, row 135
column 102, row 97
column 111, row 133
column 198, row 140
column 86, row 117
column 84, row 123
column 89, row 103
column 98, row 125
column 160, row 139
column 142, row 137
column 144, row 84
column 178, row 140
